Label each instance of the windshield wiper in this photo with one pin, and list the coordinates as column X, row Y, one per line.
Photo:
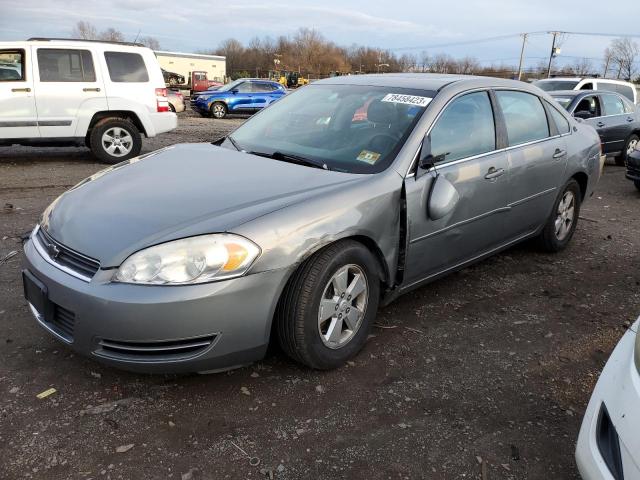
column 291, row 158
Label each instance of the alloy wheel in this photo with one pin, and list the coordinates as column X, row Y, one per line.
column 117, row 142
column 343, row 306
column 565, row 215
column 632, row 146
column 219, row 111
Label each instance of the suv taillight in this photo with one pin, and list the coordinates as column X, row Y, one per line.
column 161, row 100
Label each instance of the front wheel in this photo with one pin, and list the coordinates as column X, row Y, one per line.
column 629, row 146
column 218, row 110
column 561, row 225
column 327, row 309
column 115, row 139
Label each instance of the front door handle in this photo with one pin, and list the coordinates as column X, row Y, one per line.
column 559, row 153
column 600, row 124
column 21, row 90
column 629, row 119
column 90, row 89
column 494, row 173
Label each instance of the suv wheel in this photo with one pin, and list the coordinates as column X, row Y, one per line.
column 327, row 309
column 115, row 139
column 558, row 231
column 218, row 110
column 629, row 147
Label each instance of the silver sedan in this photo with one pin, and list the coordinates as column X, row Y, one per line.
column 297, row 226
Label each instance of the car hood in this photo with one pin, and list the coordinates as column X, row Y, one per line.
column 177, row 192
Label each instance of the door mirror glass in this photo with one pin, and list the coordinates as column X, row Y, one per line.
column 583, row 114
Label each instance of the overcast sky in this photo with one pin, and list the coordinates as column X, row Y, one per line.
column 191, row 26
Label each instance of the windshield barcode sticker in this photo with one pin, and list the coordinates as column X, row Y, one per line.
column 407, row 99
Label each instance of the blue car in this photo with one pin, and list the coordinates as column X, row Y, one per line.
column 246, row 95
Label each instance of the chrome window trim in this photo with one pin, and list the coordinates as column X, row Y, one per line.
column 411, row 171
column 45, row 256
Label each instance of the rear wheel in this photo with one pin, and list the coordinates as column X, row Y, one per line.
column 561, row 225
column 629, row 146
column 113, row 140
column 327, row 309
column 173, row 109
column 218, row 110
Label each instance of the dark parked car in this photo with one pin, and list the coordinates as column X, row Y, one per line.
column 633, row 166
column 611, row 114
column 172, row 78
column 296, row 226
column 246, row 95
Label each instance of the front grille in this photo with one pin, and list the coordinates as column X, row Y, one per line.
column 65, row 257
column 154, row 351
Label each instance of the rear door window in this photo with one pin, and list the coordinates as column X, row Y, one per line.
column 625, row 90
column 466, row 128
column 609, row 87
column 524, row 116
column 11, row 65
column 126, row 67
column 65, row 65
column 560, row 120
column 612, row 105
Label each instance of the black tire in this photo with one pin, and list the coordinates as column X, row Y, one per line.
column 297, row 314
column 172, row 108
column 218, row 110
column 622, row 158
column 99, row 149
column 548, row 238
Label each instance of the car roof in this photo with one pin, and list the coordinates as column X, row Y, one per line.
column 579, row 79
column 428, row 81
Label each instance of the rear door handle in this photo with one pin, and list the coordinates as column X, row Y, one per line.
column 600, row 124
column 21, row 90
column 559, row 153
column 494, row 173
column 90, row 89
column 629, row 119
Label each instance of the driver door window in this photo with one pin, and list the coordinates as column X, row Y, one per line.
column 465, row 129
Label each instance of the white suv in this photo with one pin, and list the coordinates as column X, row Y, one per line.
column 104, row 95
column 578, row 83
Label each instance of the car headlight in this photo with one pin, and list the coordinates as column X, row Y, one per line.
column 200, row 259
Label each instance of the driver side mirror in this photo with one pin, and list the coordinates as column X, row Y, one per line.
column 235, row 90
column 427, row 160
column 583, row 114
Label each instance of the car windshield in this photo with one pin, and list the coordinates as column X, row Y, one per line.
column 348, row 128
column 564, row 101
column 552, row 85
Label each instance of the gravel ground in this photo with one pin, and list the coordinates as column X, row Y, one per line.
column 488, row 369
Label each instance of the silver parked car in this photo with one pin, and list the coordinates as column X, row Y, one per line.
column 176, row 101
column 333, row 200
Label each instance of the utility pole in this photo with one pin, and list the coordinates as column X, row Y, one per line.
column 524, row 42
column 553, row 52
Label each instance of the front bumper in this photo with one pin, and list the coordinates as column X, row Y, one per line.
column 633, row 166
column 159, row 329
column 617, row 391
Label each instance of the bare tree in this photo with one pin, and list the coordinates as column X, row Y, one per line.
column 84, row 31
column 111, row 35
column 150, row 42
column 607, row 61
column 624, row 54
column 583, row 67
